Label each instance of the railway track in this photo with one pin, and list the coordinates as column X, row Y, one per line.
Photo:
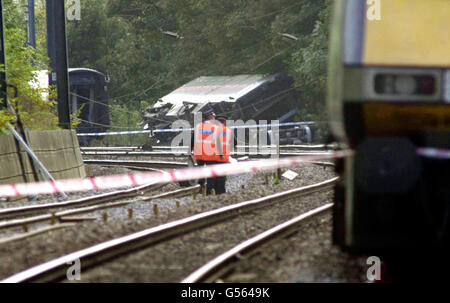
column 152, row 165
column 93, row 256
column 181, row 151
column 81, row 206
column 224, row 263
column 183, row 155
column 181, row 148
column 9, row 213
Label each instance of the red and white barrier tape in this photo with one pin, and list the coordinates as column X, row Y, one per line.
column 437, row 153
column 121, row 181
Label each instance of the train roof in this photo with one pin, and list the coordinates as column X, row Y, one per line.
column 86, row 70
column 214, row 89
column 42, row 76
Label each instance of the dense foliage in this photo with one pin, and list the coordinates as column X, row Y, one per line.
column 21, row 61
column 126, row 40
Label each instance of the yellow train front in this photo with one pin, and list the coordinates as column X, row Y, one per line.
column 389, row 101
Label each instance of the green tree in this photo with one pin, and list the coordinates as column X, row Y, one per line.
column 126, row 39
column 36, row 112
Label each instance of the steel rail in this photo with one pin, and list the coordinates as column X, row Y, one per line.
column 133, row 167
column 34, row 233
column 75, row 219
column 185, row 154
column 152, row 164
column 174, row 194
column 56, row 269
column 286, row 146
column 223, row 263
column 134, row 153
column 322, row 163
column 114, row 148
column 57, row 215
column 62, row 215
column 138, row 168
column 137, row 148
column 15, row 212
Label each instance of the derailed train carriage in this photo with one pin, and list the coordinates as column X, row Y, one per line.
column 389, row 96
column 89, row 93
column 88, row 97
column 241, row 97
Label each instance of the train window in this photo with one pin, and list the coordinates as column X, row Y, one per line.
column 447, row 86
column 392, row 84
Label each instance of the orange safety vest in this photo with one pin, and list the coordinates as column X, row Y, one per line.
column 226, row 136
column 207, row 136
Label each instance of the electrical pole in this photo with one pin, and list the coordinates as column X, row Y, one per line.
column 57, row 51
column 31, row 24
column 3, row 96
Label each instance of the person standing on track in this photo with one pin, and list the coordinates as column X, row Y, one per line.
column 209, row 148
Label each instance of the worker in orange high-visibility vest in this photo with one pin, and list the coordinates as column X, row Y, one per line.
column 207, row 145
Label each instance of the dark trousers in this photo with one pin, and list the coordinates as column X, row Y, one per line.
column 217, row 183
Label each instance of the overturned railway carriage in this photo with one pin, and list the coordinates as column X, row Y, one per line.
column 389, row 94
column 242, row 97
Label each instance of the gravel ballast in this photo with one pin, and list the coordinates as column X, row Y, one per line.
column 22, row 254
column 308, row 256
column 173, row 260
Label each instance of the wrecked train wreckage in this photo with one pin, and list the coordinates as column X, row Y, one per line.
column 242, row 97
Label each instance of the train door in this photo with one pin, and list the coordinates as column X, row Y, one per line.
column 81, row 97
